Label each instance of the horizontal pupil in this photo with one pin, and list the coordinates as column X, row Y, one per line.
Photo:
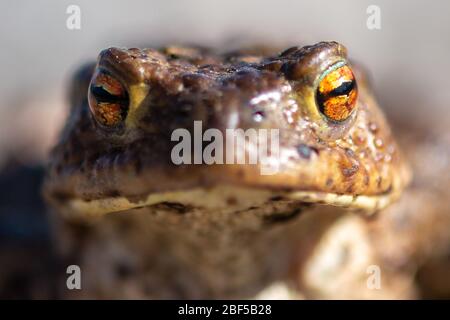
column 104, row 96
column 344, row 89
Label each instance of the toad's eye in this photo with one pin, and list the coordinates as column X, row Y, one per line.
column 336, row 93
column 108, row 99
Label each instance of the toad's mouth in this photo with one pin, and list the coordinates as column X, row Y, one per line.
column 224, row 198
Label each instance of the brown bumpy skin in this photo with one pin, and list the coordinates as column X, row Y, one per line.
column 210, row 230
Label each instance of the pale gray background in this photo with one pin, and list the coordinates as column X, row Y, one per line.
column 409, row 58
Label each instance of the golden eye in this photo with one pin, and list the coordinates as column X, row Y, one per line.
column 108, row 99
column 337, row 93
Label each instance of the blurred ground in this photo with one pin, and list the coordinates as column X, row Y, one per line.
column 408, row 60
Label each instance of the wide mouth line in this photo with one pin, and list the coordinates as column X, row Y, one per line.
column 217, row 199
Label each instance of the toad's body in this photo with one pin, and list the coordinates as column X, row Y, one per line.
column 165, row 230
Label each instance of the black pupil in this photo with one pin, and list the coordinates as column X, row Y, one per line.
column 104, row 96
column 344, row 89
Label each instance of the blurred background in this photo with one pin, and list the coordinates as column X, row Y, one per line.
column 408, row 59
